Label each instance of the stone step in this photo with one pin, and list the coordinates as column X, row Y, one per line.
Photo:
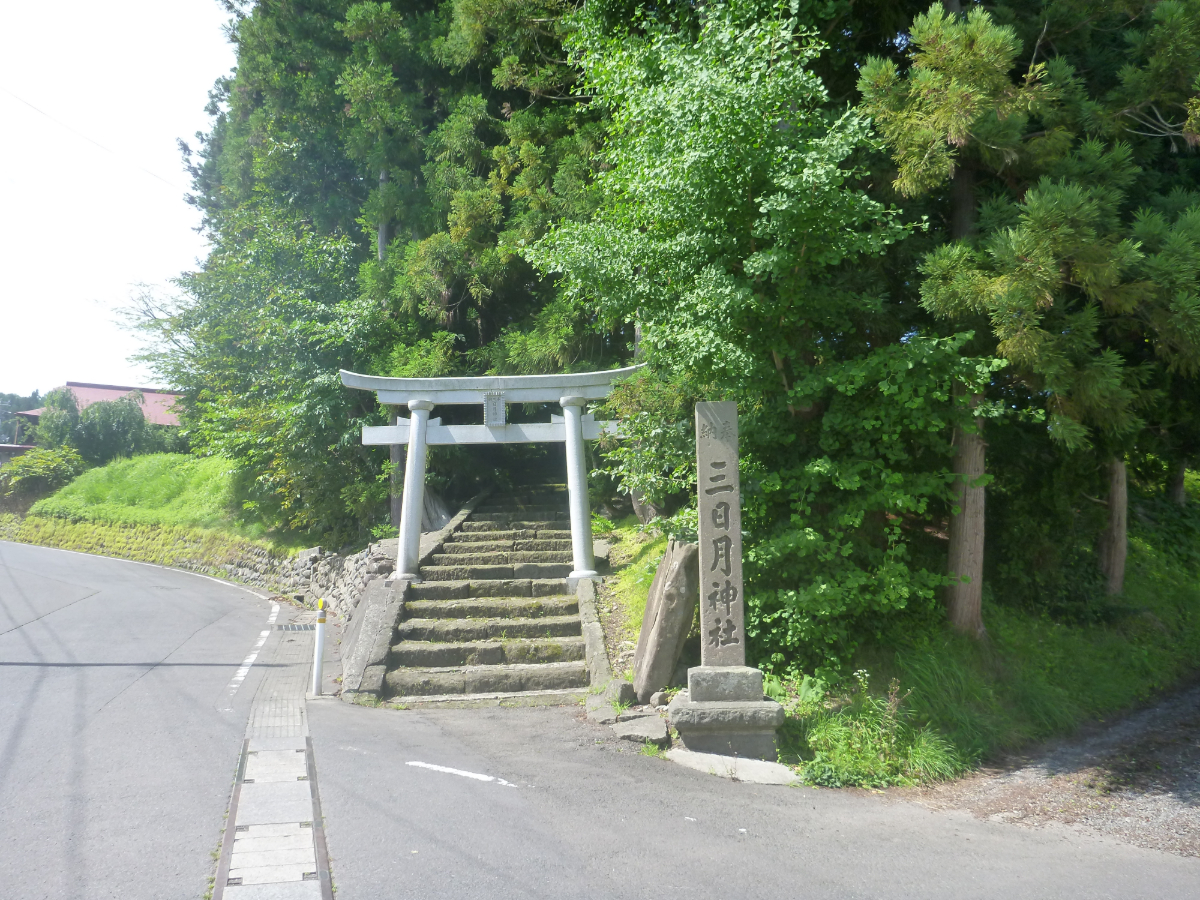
column 520, row 651
column 483, row 587
column 525, row 546
column 485, row 679
column 501, row 513
column 558, row 497
column 521, row 519
column 543, row 545
column 448, row 630
column 478, row 546
column 492, row 699
column 553, row 501
column 492, row 607
column 474, row 526
column 518, row 571
column 491, row 535
column 500, row 558
column 498, row 531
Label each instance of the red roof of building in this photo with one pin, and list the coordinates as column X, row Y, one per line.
column 156, row 406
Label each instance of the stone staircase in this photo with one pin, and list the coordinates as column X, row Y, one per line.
column 492, row 618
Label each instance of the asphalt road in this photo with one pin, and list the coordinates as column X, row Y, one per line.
column 590, row 817
column 116, row 766
column 115, row 762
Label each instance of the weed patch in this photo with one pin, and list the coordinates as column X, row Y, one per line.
column 862, row 739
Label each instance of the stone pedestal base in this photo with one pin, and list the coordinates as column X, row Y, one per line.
column 723, row 711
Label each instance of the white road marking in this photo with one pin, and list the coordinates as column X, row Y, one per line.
column 244, row 669
column 449, row 771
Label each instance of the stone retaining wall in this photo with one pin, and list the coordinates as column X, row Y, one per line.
column 304, row 576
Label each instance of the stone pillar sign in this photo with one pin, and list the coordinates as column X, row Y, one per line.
column 723, row 618
column 723, row 710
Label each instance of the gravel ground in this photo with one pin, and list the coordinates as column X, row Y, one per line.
column 1136, row 780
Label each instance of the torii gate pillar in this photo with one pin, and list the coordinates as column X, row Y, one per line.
column 581, row 514
column 413, row 502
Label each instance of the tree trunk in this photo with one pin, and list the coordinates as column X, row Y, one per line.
column 962, row 202
column 964, row 599
column 381, row 238
column 1114, row 544
column 395, row 483
column 1176, row 490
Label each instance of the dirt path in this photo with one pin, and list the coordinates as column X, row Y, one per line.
column 1137, row 781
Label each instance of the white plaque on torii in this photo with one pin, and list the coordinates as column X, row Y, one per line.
column 493, row 393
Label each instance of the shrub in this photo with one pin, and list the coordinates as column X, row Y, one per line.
column 35, row 474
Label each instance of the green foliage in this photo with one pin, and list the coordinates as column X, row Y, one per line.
column 1066, row 243
column 36, row 473
column 703, row 240
column 371, row 168
column 635, row 557
column 957, row 86
column 953, row 701
column 255, row 346
column 852, row 556
column 526, row 186
column 730, row 233
column 1084, row 313
column 106, row 430
column 654, row 413
column 11, row 425
column 58, row 424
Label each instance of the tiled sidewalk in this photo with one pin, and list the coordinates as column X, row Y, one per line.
column 274, row 843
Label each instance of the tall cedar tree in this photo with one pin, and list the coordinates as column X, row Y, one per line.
column 1072, row 230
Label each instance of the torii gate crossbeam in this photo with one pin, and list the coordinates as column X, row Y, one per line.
column 494, row 393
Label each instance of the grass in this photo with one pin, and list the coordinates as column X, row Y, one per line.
column 165, row 489
column 635, row 556
column 169, row 509
column 954, row 702
column 1036, row 678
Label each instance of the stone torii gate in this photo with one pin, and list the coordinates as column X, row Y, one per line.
column 494, row 393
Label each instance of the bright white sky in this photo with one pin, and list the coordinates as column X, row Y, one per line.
column 80, row 226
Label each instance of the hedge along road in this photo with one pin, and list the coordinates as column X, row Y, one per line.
column 116, row 759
